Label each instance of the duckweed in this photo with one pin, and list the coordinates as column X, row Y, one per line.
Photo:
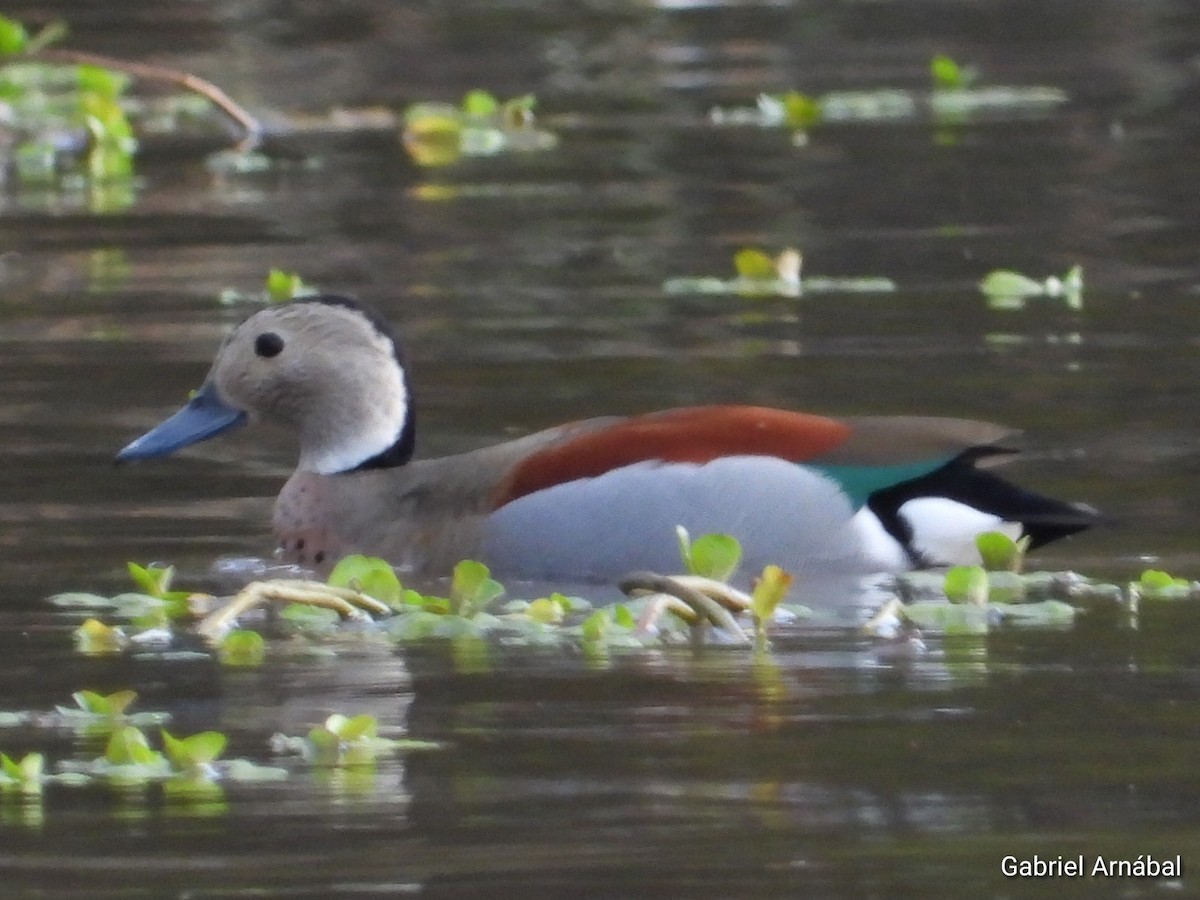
column 438, row 134
column 761, row 275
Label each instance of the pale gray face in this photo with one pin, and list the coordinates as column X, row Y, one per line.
column 322, row 370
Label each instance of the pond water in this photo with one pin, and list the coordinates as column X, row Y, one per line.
column 528, row 288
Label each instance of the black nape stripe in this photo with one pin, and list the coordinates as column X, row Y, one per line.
column 1043, row 519
column 396, row 455
column 402, row 450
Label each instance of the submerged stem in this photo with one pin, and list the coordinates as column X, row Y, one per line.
column 705, row 607
column 234, row 110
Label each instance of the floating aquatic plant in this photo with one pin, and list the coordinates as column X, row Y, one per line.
column 1006, row 289
column 972, row 599
column 72, row 114
column 346, row 741
column 769, row 590
column 280, row 286
column 715, row 556
column 130, row 759
column 948, row 75
column 94, row 712
column 25, row 775
column 154, row 595
column 242, row 648
column 437, row 134
column 967, row 584
column 1000, row 552
column 758, row 274
column 94, row 638
column 955, row 95
column 284, row 286
column 103, row 706
column 71, row 119
column 195, row 754
column 1155, row 584
column 703, row 598
column 662, row 609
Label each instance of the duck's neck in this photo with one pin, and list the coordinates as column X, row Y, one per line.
column 375, row 429
column 398, row 453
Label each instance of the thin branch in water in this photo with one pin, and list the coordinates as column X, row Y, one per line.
column 234, row 110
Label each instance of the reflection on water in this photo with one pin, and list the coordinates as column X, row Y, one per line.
column 528, row 288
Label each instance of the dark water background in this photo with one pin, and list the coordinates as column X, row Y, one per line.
column 528, row 289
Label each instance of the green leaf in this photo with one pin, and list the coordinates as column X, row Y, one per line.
column 120, row 701
column 107, row 121
column 10, row 767
column 284, row 286
column 469, row 577
column 1073, row 280
column 369, row 575
column 472, row 588
column 800, row 110
column 153, row 580
column 195, row 750
column 31, row 767
column 242, row 647
column 175, row 749
column 595, row 626
column 999, row 552
column 623, row 616
column 105, row 82
column 966, row 584
column 112, row 705
column 1161, row 585
column 25, row 775
column 1006, row 283
column 1156, row 578
column 479, row 103
column 946, row 73
column 769, row 590
column 715, row 556
column 109, row 162
column 546, row 610
column 355, row 728
column 94, row 637
column 128, row 746
column 204, row 747
column 13, row 36
column 754, row 264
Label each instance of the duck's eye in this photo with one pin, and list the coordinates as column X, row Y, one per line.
column 268, row 344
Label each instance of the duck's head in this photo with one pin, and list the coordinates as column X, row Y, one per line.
column 324, row 368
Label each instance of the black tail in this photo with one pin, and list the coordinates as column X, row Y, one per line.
column 1043, row 519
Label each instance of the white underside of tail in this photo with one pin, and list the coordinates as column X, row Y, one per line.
column 943, row 533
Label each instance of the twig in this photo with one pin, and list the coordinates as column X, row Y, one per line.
column 637, row 583
column 250, row 125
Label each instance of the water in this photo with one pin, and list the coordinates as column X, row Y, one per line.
column 528, row 289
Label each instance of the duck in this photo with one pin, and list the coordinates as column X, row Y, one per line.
column 593, row 499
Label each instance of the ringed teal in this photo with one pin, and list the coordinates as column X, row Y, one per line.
column 593, row 499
